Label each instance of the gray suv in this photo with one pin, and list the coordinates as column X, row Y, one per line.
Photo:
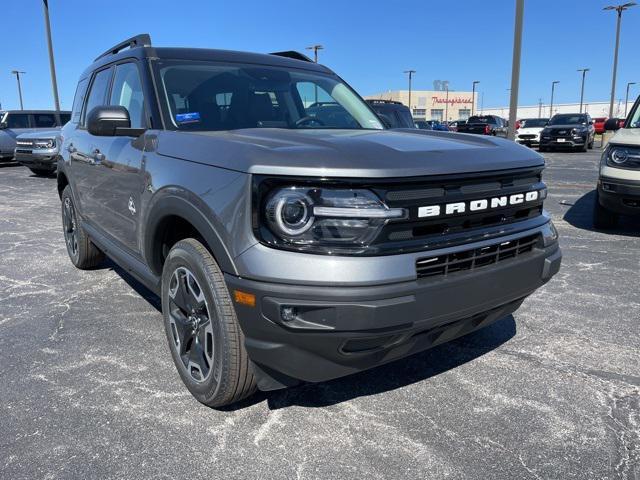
column 17, row 122
column 290, row 246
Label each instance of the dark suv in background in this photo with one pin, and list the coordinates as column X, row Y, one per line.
column 17, row 122
column 290, row 235
column 568, row 130
column 393, row 114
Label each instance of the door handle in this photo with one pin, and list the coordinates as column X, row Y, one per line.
column 96, row 157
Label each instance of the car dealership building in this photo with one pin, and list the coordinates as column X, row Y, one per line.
column 432, row 105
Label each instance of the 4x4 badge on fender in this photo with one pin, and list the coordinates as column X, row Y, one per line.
column 132, row 206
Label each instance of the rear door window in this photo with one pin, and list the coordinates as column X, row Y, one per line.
column 98, row 93
column 78, row 100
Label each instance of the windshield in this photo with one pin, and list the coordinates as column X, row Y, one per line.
column 208, row 96
column 533, row 122
column 569, row 119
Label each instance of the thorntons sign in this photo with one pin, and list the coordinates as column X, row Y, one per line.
column 452, row 100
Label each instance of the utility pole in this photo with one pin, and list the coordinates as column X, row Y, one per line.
column 553, row 89
column 473, row 96
column 584, row 72
column 515, row 69
column 315, row 49
column 410, row 72
column 619, row 9
column 17, row 73
column 626, row 101
column 52, row 66
column 539, row 108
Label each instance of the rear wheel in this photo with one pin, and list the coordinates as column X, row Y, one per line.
column 603, row 219
column 204, row 336
column 82, row 252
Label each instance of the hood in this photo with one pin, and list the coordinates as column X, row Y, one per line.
column 346, row 153
column 46, row 134
column 530, row 130
column 626, row 136
column 567, row 127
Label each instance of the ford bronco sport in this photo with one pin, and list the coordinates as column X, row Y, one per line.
column 288, row 247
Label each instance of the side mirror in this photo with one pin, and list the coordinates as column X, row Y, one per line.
column 110, row 121
column 612, row 124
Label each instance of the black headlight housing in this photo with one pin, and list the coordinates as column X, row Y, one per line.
column 622, row 156
column 317, row 216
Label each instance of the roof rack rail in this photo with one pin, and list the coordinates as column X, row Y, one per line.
column 292, row 54
column 141, row 40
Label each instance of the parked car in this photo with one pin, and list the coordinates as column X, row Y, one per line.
column 38, row 151
column 437, row 125
column 16, row 122
column 528, row 133
column 423, row 125
column 485, row 125
column 618, row 191
column 598, row 124
column 568, row 130
column 286, row 249
column 393, row 114
column 453, row 126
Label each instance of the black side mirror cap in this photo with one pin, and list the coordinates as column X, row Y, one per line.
column 111, row 121
column 612, row 124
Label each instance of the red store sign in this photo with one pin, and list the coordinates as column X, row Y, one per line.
column 452, row 100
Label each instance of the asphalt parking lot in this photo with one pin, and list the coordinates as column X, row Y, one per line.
column 88, row 388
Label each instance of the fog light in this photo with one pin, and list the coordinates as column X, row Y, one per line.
column 288, row 314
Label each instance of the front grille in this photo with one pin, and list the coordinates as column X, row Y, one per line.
column 23, row 150
column 472, row 259
column 526, row 136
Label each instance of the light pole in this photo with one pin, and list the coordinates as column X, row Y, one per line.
column 315, row 49
column 539, row 108
column 619, row 9
column 515, row 69
column 626, row 101
column 17, row 73
column 410, row 72
column 584, row 73
column 52, row 66
column 473, row 96
column 553, row 89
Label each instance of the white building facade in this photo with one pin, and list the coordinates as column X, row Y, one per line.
column 595, row 109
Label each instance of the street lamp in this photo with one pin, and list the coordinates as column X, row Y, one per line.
column 619, row 9
column 515, row 69
column 473, row 95
column 52, row 66
column 17, row 73
column 315, row 49
column 410, row 72
column 584, row 72
column 553, row 89
column 626, row 101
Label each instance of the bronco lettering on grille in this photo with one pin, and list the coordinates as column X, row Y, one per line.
column 479, row 205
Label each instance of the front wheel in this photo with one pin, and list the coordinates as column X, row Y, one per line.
column 82, row 252
column 200, row 321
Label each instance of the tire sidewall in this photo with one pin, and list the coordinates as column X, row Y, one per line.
column 184, row 255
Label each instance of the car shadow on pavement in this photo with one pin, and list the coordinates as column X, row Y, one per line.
column 416, row 368
column 580, row 215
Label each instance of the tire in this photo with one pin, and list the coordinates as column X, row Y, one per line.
column 591, row 143
column 585, row 147
column 603, row 219
column 41, row 172
column 205, row 339
column 82, row 252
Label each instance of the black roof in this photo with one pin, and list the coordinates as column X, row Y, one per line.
column 140, row 47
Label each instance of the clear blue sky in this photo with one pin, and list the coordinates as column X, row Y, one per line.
column 368, row 43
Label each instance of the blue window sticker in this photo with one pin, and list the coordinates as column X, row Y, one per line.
column 191, row 117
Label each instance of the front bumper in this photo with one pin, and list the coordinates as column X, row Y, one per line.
column 563, row 142
column 339, row 330
column 44, row 159
column 528, row 141
column 619, row 196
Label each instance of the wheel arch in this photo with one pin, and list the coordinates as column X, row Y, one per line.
column 173, row 218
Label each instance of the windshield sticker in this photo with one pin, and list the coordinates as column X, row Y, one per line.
column 191, row 117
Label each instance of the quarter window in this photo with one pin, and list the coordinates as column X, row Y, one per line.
column 78, row 100
column 127, row 92
column 98, row 93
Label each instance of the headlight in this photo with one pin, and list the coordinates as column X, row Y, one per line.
column 622, row 156
column 579, row 131
column 45, row 143
column 324, row 219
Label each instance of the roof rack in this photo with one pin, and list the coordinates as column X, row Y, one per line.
column 142, row 40
column 380, row 100
column 292, row 54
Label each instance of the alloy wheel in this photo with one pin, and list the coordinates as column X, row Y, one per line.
column 70, row 227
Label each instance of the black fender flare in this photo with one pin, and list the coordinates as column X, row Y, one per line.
column 194, row 211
